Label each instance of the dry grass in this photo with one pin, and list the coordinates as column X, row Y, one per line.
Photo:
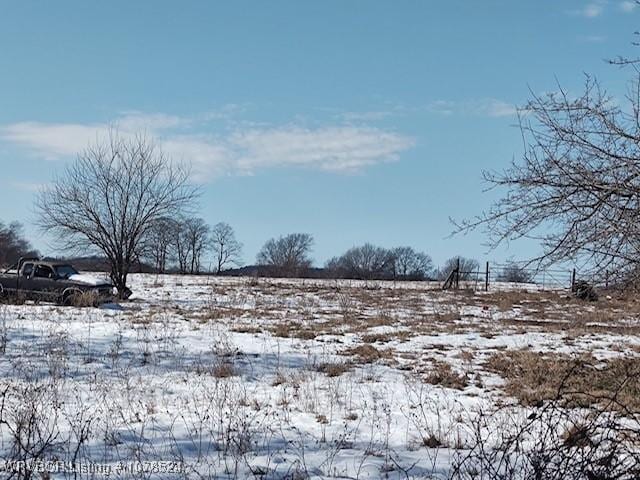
column 577, row 436
column 84, row 299
column 322, row 419
column 367, row 353
column 243, row 328
column 214, row 313
column 318, row 309
column 399, row 335
column 334, row 369
column 224, row 369
column 444, row 375
column 284, row 330
column 305, row 334
column 431, row 441
column 582, row 381
column 291, row 329
column 336, row 310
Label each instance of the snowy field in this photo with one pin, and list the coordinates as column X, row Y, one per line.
column 199, row 377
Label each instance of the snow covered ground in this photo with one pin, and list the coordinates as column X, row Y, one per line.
column 200, row 377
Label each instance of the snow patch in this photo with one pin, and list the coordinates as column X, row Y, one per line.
column 87, row 279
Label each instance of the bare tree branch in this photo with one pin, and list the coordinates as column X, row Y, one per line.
column 577, row 188
column 288, row 255
column 111, row 196
column 226, row 248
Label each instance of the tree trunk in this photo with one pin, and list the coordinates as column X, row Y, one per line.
column 119, row 279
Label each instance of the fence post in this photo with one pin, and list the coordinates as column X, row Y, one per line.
column 573, row 280
column 486, row 279
column 458, row 274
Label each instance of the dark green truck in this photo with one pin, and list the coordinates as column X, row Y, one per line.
column 57, row 282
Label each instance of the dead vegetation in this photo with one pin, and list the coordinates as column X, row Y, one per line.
column 84, row 299
column 582, row 381
column 334, row 369
column 224, row 369
column 368, row 353
column 339, row 365
column 444, row 375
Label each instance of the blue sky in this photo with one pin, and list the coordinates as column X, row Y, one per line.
column 354, row 121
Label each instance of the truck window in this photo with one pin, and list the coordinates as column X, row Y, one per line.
column 27, row 270
column 65, row 271
column 42, row 271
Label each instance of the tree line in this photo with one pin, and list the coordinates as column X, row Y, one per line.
column 183, row 245
column 290, row 256
column 13, row 244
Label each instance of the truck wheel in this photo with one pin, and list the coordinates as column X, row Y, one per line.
column 70, row 298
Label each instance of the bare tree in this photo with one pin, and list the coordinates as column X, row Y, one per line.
column 513, row 272
column 110, row 197
column 180, row 246
column 13, row 244
column 411, row 265
column 366, row 262
column 189, row 243
column 196, row 233
column 157, row 246
column 288, row 255
column 226, row 248
column 468, row 267
column 577, row 188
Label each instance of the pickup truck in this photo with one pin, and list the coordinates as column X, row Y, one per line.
column 53, row 282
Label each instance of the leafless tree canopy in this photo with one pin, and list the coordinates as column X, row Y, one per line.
column 158, row 244
column 468, row 266
column 369, row 262
column 365, row 262
column 111, row 196
column 13, row 245
column 411, row 265
column 288, row 255
column 513, row 272
column 195, row 234
column 577, row 188
column 178, row 242
column 226, row 248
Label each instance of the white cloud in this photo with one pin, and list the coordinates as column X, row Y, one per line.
column 56, row 140
column 342, row 149
column 338, row 149
column 593, row 10
column 247, row 149
column 28, row 186
column 628, row 6
column 443, row 107
column 592, row 38
column 364, row 116
column 497, row 108
column 134, row 121
column 207, row 157
column 51, row 141
column 487, row 107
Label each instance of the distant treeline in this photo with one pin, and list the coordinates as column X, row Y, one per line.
column 13, row 244
column 180, row 247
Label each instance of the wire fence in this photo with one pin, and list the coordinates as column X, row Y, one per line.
column 510, row 276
